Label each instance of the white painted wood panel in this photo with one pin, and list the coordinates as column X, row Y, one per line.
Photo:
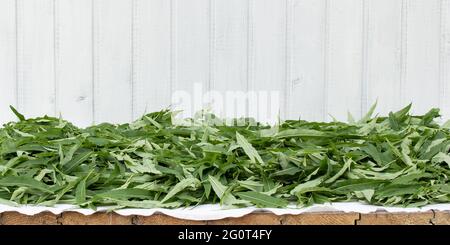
column 268, row 54
column 445, row 60
column 151, row 55
column 35, row 57
column 345, row 57
column 384, row 54
column 229, row 25
column 307, row 62
column 8, row 94
column 192, row 56
column 113, row 85
column 421, row 85
column 73, row 56
column 114, row 60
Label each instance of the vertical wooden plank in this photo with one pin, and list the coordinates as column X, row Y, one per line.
column 230, row 41
column 445, row 60
column 35, row 54
column 306, row 84
column 151, row 55
column 73, row 47
column 384, row 54
column 113, row 85
column 268, row 69
column 345, row 56
column 192, row 48
column 8, row 95
column 421, row 84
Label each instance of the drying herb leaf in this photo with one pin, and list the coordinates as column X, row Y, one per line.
column 262, row 200
column 399, row 159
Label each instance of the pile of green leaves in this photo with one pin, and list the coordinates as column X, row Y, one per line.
column 395, row 160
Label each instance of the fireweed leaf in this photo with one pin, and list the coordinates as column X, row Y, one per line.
column 191, row 182
column 262, row 200
column 248, row 148
column 398, row 159
column 23, row 181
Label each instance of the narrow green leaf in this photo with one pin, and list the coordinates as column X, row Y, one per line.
column 223, row 192
column 369, row 113
column 218, row 187
column 77, row 160
column 252, row 185
column 441, row 157
column 262, row 200
column 190, row 182
column 26, row 182
column 288, row 171
column 80, row 196
column 350, row 118
column 301, row 188
column 301, row 133
column 124, row 194
column 396, row 190
column 340, row 172
column 18, row 115
column 248, row 148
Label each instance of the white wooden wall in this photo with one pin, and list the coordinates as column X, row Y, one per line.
column 112, row 60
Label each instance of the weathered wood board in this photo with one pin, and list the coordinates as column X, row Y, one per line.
column 329, row 218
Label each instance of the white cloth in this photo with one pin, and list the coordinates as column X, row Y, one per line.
column 215, row 211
